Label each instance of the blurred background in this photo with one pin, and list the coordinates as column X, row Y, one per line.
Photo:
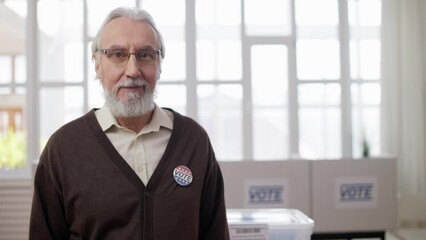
column 270, row 80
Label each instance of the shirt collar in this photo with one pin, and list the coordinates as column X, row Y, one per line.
column 160, row 118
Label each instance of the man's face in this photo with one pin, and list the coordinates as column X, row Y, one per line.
column 126, row 34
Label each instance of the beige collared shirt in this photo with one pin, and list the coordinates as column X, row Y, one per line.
column 143, row 150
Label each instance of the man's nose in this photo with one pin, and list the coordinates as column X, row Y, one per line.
column 133, row 69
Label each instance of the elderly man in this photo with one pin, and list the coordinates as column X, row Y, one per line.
column 129, row 170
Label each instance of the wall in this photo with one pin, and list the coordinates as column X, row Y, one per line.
column 15, row 207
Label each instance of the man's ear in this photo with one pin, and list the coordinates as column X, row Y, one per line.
column 96, row 61
column 159, row 72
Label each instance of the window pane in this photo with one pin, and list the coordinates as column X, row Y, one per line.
column 367, row 95
column 96, row 12
column 267, row 17
column 220, row 60
column 366, row 118
column 206, row 60
column 96, row 93
column 370, row 59
column 269, row 69
column 270, row 134
column 13, row 143
column 96, row 98
column 6, row 91
column 73, row 62
column 365, row 59
column 220, row 112
column 316, row 12
column 319, row 133
column 5, row 69
column 365, row 21
column 13, row 135
column 365, row 12
column 12, row 106
column 171, row 24
column 174, row 63
column 20, row 69
column 12, row 68
column 172, row 96
column 229, row 60
column 354, row 59
column 318, row 60
column 319, row 120
column 218, row 51
column 218, row 12
column 269, row 66
column 57, row 107
column 319, row 94
column 61, row 36
column 156, row 8
column 366, row 130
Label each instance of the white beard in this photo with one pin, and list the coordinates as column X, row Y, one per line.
column 132, row 105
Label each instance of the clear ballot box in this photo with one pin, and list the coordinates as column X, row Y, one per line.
column 269, row 224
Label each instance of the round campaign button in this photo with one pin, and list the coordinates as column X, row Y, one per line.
column 183, row 175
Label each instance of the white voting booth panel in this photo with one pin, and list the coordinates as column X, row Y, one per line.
column 267, row 184
column 269, row 224
column 354, row 195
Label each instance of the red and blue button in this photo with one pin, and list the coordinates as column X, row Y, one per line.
column 183, row 175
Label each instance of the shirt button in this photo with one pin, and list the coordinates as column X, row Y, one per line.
column 141, row 168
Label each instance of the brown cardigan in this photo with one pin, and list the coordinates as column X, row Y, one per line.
column 85, row 190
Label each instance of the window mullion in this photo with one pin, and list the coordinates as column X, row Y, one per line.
column 346, row 105
column 85, row 60
column 191, row 61
column 293, row 116
column 247, row 96
column 33, row 87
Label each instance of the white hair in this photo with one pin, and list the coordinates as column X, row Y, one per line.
column 134, row 14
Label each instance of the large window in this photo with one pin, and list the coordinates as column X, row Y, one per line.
column 269, row 80
column 13, row 79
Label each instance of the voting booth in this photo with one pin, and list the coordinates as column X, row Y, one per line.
column 269, row 224
column 354, row 198
column 267, row 184
column 347, row 198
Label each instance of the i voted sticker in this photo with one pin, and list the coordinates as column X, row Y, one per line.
column 183, row 175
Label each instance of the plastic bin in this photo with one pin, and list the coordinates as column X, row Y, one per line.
column 280, row 224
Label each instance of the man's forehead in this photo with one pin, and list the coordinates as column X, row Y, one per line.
column 123, row 24
column 127, row 32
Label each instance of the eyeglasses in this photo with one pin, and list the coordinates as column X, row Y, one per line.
column 122, row 55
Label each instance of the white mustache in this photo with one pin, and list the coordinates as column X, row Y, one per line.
column 131, row 83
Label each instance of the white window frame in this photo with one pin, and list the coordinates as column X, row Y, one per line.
column 33, row 84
